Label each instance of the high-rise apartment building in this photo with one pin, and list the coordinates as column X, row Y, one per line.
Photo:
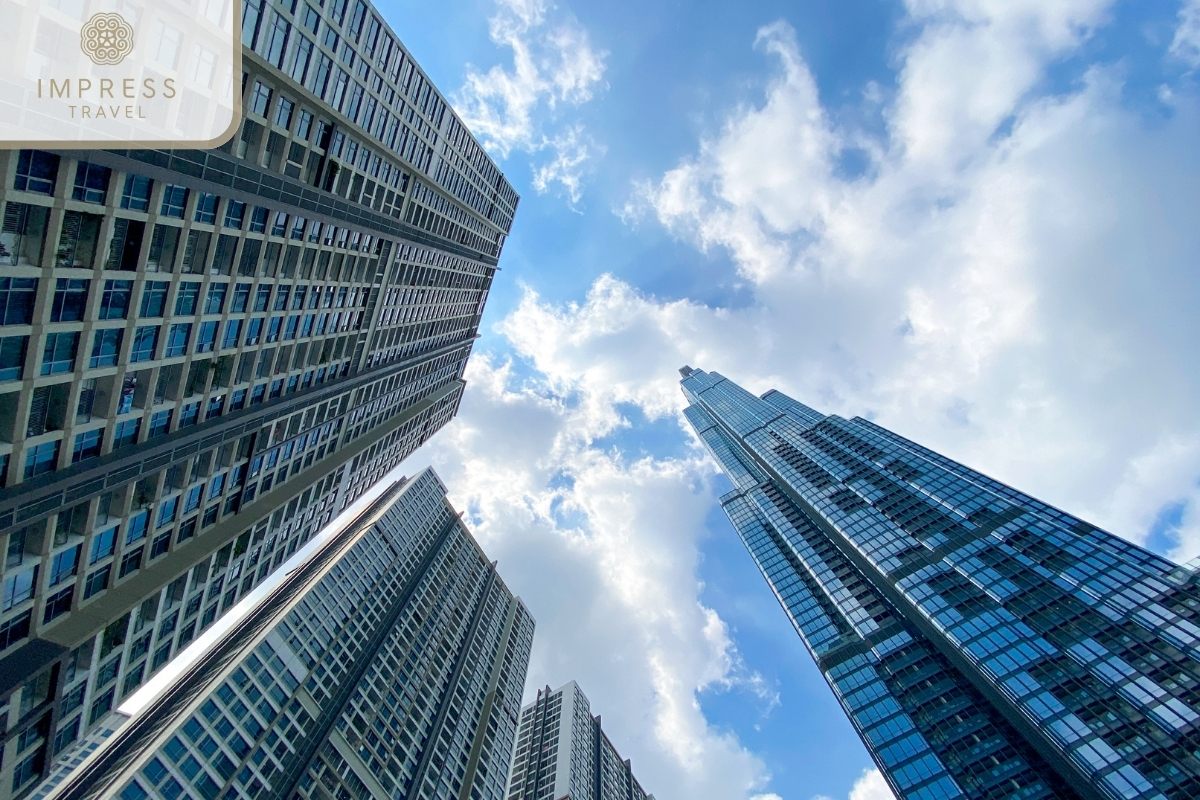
column 983, row 643
column 390, row 663
column 204, row 355
column 563, row 753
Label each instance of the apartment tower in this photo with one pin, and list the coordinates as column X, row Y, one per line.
column 205, row 355
column 983, row 643
column 390, row 663
column 564, row 754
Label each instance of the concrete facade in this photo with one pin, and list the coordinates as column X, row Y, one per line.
column 205, row 355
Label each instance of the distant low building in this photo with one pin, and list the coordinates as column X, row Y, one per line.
column 563, row 753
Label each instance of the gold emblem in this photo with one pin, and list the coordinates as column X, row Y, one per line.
column 106, row 38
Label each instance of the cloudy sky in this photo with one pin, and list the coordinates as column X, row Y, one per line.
column 973, row 221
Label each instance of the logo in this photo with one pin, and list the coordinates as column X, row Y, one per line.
column 106, row 38
column 113, row 89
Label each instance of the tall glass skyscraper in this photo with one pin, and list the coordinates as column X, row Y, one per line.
column 390, row 663
column 982, row 643
column 205, row 355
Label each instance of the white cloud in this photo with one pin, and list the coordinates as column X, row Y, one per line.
column 603, row 550
column 1186, row 44
column 1006, row 281
column 573, row 150
column 1011, row 281
column 554, row 65
column 871, row 786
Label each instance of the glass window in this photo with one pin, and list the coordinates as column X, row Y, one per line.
column 145, row 341
column 23, row 238
column 251, row 14
column 136, row 194
column 70, row 300
column 254, row 330
column 191, row 500
column 188, row 414
column 126, row 433
column 131, row 561
column 160, row 423
column 177, row 339
column 106, row 347
column 114, row 303
column 283, row 112
column 258, row 219
column 310, row 18
column 304, row 125
column 235, row 214
column 154, row 298
column 281, row 297
column 241, row 298
column 260, row 99
column 87, row 445
column 103, row 544
column 186, row 299
column 14, row 630
column 59, row 353
column 207, row 336
column 64, row 565
column 12, row 357
column 19, row 588
column 279, row 225
column 195, row 252
column 91, row 183
column 262, row 298
column 300, row 59
column 16, row 300
column 174, row 201
column 276, row 38
column 164, row 245
column 96, row 582
column 166, row 511
column 215, row 304
column 37, row 171
column 57, row 605
column 41, row 458
column 206, row 208
column 232, row 329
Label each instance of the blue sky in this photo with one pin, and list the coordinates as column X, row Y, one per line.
column 970, row 220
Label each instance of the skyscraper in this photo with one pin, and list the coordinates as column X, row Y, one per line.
column 204, row 355
column 389, row 664
column 983, row 643
column 563, row 753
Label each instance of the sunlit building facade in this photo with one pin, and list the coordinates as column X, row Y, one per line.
column 564, row 754
column 389, row 664
column 982, row 643
column 205, row 355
